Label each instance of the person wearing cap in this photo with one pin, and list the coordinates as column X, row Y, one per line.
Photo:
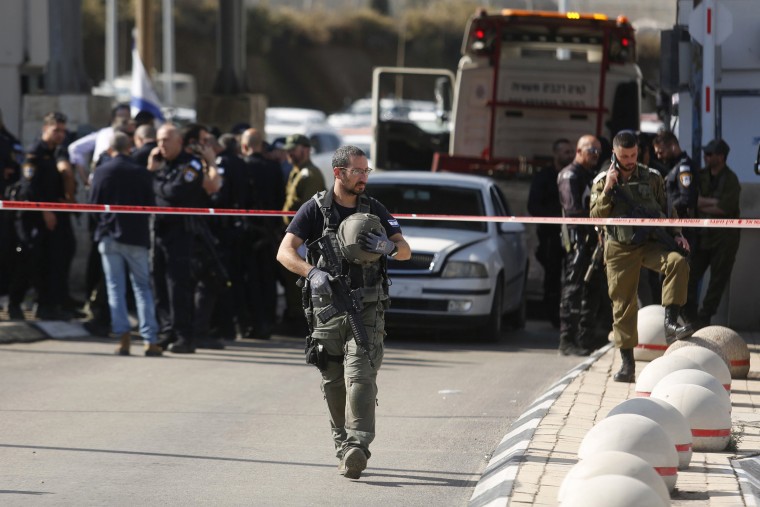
column 719, row 192
column 363, row 233
column 305, row 180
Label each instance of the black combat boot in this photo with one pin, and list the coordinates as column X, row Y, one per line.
column 674, row 331
column 628, row 369
column 568, row 348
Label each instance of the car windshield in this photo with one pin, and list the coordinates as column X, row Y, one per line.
column 424, row 199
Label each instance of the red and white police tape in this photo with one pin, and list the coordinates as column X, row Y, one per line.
column 741, row 223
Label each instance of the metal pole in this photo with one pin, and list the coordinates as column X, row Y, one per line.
column 400, row 57
column 112, row 30
column 708, row 73
column 144, row 25
column 168, row 48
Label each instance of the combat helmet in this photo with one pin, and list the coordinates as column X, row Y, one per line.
column 348, row 234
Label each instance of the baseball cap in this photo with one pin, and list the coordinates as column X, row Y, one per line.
column 295, row 140
column 717, row 146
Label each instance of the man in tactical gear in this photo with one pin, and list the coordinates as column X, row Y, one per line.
column 348, row 366
column 580, row 300
column 628, row 248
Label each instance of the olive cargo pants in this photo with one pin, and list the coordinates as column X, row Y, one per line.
column 624, row 264
column 350, row 388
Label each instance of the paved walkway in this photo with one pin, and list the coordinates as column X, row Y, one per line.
column 529, row 465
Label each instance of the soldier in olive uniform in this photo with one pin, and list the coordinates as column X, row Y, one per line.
column 626, row 252
column 304, row 181
column 718, row 198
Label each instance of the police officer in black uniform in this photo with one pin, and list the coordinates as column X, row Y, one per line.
column 681, row 181
column 11, row 156
column 264, row 234
column 230, row 230
column 181, row 180
column 580, row 300
column 543, row 201
column 42, row 236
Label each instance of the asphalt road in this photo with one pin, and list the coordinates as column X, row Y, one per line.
column 248, row 426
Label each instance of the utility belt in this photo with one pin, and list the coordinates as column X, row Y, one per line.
column 368, row 295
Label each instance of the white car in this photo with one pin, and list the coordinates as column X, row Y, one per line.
column 462, row 274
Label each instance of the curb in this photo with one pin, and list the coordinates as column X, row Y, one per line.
column 496, row 484
column 27, row 332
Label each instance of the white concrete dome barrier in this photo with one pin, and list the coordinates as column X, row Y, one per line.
column 668, row 417
column 651, row 329
column 613, row 491
column 706, row 358
column 637, row 435
column 710, row 422
column 696, row 377
column 733, row 346
column 613, row 463
column 658, row 368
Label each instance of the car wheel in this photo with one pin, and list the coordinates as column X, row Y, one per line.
column 492, row 330
column 517, row 318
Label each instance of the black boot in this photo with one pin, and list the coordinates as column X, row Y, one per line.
column 568, row 348
column 628, row 369
column 674, row 331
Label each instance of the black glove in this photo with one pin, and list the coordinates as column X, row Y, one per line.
column 320, row 282
column 375, row 242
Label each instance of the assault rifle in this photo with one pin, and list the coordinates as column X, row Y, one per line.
column 642, row 232
column 211, row 263
column 343, row 298
column 597, row 260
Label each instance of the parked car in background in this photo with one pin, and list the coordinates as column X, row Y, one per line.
column 462, row 274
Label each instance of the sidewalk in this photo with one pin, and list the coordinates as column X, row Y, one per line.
column 529, row 465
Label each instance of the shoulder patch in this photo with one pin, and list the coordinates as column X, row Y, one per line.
column 685, row 178
column 196, row 164
column 304, row 172
column 684, row 168
column 189, row 174
column 218, row 160
column 28, row 170
column 393, row 222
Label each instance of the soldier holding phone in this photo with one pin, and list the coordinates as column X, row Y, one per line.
column 625, row 252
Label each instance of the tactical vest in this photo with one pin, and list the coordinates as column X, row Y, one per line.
column 372, row 279
column 641, row 193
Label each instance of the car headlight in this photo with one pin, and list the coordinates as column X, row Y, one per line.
column 464, row 269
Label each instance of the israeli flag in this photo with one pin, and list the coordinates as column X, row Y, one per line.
column 144, row 97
